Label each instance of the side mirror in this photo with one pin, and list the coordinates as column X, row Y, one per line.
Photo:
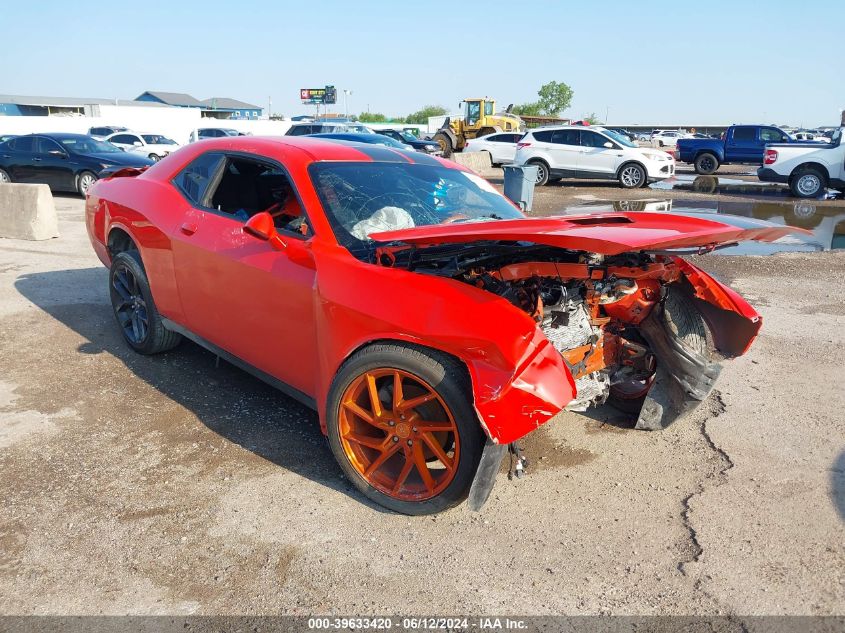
column 261, row 227
column 608, row 145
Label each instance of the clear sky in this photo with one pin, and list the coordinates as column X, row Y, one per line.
column 771, row 61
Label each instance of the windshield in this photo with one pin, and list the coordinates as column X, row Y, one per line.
column 83, row 145
column 408, row 136
column 619, row 138
column 364, row 198
column 157, row 139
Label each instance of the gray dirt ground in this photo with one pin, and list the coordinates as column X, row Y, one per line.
column 166, row 485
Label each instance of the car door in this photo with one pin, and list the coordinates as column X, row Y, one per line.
column 18, row 157
column 501, row 147
column 596, row 160
column 237, row 292
column 52, row 164
column 564, row 148
column 743, row 145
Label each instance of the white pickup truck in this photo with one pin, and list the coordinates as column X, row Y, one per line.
column 808, row 168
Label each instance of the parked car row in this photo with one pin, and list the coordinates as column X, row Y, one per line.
column 65, row 162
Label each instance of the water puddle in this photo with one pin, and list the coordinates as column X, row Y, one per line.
column 718, row 184
column 826, row 222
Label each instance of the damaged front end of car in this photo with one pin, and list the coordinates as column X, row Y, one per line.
column 643, row 329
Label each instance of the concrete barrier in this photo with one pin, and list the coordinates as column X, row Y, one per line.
column 27, row 212
column 477, row 161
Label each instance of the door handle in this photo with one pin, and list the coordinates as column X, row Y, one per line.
column 188, row 228
column 36, row 159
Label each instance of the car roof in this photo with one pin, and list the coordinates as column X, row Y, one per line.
column 595, row 128
column 362, row 137
column 58, row 136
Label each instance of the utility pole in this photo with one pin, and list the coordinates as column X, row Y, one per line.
column 269, row 107
column 346, row 94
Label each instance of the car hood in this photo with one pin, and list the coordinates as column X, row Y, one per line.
column 127, row 159
column 606, row 233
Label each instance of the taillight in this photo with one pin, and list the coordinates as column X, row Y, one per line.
column 771, row 157
column 518, row 145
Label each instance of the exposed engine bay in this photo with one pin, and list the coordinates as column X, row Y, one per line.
column 592, row 309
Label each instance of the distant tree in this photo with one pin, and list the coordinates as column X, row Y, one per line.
column 372, row 117
column 592, row 119
column 527, row 109
column 421, row 116
column 555, row 97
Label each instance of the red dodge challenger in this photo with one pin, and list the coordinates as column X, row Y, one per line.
column 428, row 321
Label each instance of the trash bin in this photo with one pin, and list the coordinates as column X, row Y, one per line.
column 519, row 184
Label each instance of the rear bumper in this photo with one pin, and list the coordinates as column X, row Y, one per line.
column 767, row 174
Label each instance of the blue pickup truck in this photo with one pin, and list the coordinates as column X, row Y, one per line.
column 739, row 144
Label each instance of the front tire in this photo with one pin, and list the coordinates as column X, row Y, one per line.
column 687, row 325
column 807, row 183
column 154, row 157
column 632, row 176
column 403, row 429
column 706, row 164
column 84, row 182
column 445, row 143
column 4, row 177
column 134, row 308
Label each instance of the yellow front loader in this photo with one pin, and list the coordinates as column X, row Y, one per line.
column 480, row 119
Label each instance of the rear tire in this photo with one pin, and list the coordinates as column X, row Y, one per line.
column 706, row 164
column 4, row 177
column 154, row 157
column 133, row 306
column 409, row 481
column 807, row 183
column 542, row 172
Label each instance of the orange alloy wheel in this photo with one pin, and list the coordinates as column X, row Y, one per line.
column 398, row 433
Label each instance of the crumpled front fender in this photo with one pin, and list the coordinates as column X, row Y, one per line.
column 511, row 405
column 733, row 322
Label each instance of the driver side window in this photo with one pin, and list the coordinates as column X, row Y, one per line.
column 246, row 187
column 46, row 145
column 591, row 139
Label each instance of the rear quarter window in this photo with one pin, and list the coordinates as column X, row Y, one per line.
column 744, row 134
column 194, row 180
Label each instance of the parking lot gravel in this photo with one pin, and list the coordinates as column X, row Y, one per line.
column 177, row 485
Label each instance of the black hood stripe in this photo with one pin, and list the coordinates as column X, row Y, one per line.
column 380, row 154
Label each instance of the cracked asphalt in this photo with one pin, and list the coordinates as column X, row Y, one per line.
column 169, row 485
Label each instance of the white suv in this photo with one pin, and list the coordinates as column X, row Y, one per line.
column 591, row 152
column 667, row 138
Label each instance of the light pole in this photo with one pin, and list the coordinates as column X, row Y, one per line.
column 346, row 94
